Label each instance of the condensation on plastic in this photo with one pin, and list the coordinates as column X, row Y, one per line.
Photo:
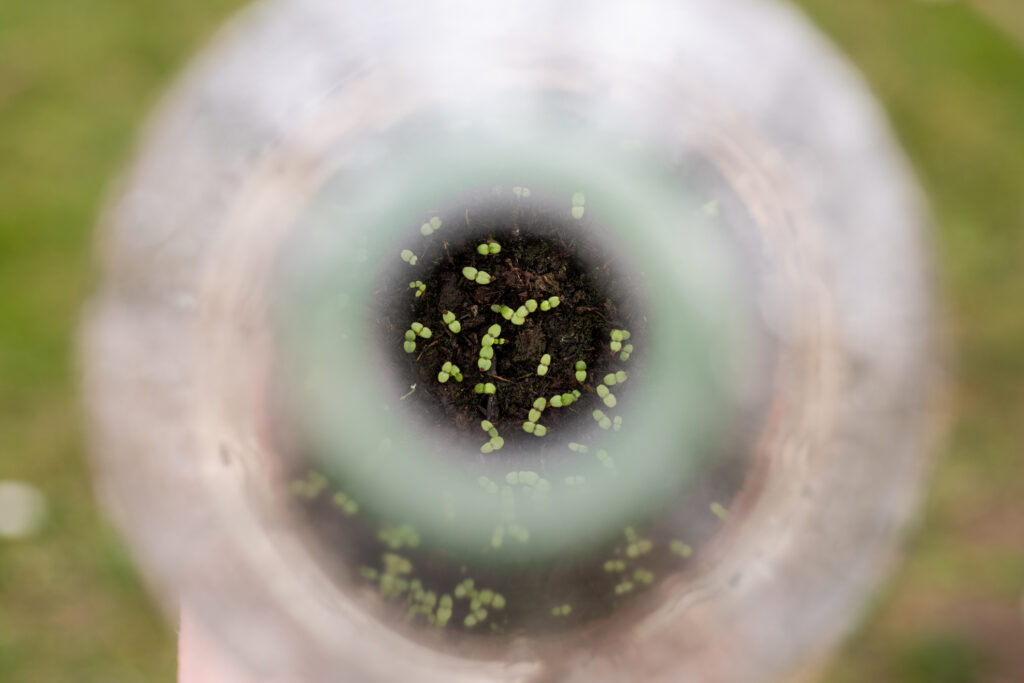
column 178, row 343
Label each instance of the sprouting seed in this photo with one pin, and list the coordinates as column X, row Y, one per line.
column 615, row 566
column 409, row 257
column 431, row 226
column 486, row 425
column 681, row 549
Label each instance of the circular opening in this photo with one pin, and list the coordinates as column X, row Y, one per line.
column 512, row 332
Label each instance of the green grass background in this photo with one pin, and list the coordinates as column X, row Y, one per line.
column 77, row 78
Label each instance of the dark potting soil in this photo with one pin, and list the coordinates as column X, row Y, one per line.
column 544, row 253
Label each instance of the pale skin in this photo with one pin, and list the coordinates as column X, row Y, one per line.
column 201, row 661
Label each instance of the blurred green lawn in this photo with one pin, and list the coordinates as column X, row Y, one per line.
column 76, row 80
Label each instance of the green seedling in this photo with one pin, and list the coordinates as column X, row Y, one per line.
column 540, row 403
column 487, row 485
column 581, row 371
column 449, row 370
column 616, row 424
column 612, row 566
column 523, row 192
column 310, row 487
column 496, row 442
column 627, row 351
column 561, row 611
column 487, row 388
column 409, row 346
column 487, row 352
column 397, row 537
column 483, row 364
column 421, row 330
column 681, row 549
column 489, row 249
column 409, row 257
column 603, row 421
column 643, row 576
column 431, row 226
column 448, row 318
column 343, row 502
column 419, row 287
column 578, row 201
column 545, row 363
column 578, row 447
column 606, row 460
